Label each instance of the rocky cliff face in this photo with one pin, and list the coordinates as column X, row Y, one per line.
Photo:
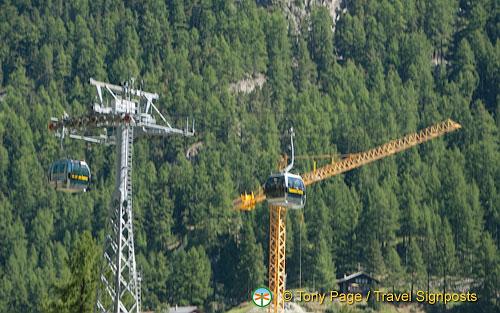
column 299, row 11
column 296, row 11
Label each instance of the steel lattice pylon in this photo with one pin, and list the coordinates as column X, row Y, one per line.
column 118, row 282
column 128, row 116
column 277, row 252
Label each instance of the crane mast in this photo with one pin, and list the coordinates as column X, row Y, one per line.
column 347, row 162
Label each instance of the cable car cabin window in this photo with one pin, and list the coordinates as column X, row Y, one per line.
column 295, row 187
column 57, row 170
column 62, row 169
column 76, row 169
column 275, row 187
column 85, row 172
column 52, row 172
column 77, row 172
column 80, row 173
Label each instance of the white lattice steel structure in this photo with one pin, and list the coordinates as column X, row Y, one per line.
column 126, row 113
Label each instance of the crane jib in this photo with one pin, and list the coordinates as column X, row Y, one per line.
column 352, row 161
column 281, row 191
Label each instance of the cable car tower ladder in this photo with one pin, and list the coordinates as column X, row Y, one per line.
column 128, row 116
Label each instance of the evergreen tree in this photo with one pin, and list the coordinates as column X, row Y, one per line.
column 415, row 266
column 278, row 50
column 321, row 41
column 374, row 259
column 323, row 268
column 394, row 268
column 488, row 271
column 382, row 69
column 440, row 20
column 78, row 294
column 162, row 308
column 190, row 277
column 250, row 266
column 305, row 72
column 446, row 255
column 372, row 302
column 465, row 71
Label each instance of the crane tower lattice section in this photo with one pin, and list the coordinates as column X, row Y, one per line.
column 346, row 162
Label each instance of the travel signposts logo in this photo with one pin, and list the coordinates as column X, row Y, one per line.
column 262, row 296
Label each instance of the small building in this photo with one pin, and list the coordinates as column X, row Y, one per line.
column 185, row 309
column 356, row 283
column 180, row 309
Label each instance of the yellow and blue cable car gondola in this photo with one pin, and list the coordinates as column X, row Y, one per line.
column 69, row 175
column 286, row 190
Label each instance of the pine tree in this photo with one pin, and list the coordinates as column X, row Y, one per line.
column 394, row 268
column 372, row 302
column 190, row 277
column 464, row 69
column 78, row 294
column 250, row 270
column 440, row 20
column 324, row 268
column 415, row 267
column 488, row 271
column 162, row 308
column 446, row 254
column 321, row 38
column 305, row 73
column 278, row 48
column 299, row 258
column 374, row 259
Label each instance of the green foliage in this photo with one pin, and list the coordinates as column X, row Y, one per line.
column 250, row 269
column 388, row 68
column 78, row 294
column 189, row 284
column 372, row 302
column 321, row 41
column 394, row 268
column 374, row 260
column 415, row 266
column 162, row 308
column 446, row 264
column 324, row 268
column 488, row 270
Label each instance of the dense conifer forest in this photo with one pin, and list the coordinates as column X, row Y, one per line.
column 428, row 217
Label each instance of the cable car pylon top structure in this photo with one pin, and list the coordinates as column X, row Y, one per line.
column 126, row 113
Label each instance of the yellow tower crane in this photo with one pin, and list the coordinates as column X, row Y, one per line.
column 345, row 163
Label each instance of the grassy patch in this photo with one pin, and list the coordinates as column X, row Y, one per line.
column 242, row 308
